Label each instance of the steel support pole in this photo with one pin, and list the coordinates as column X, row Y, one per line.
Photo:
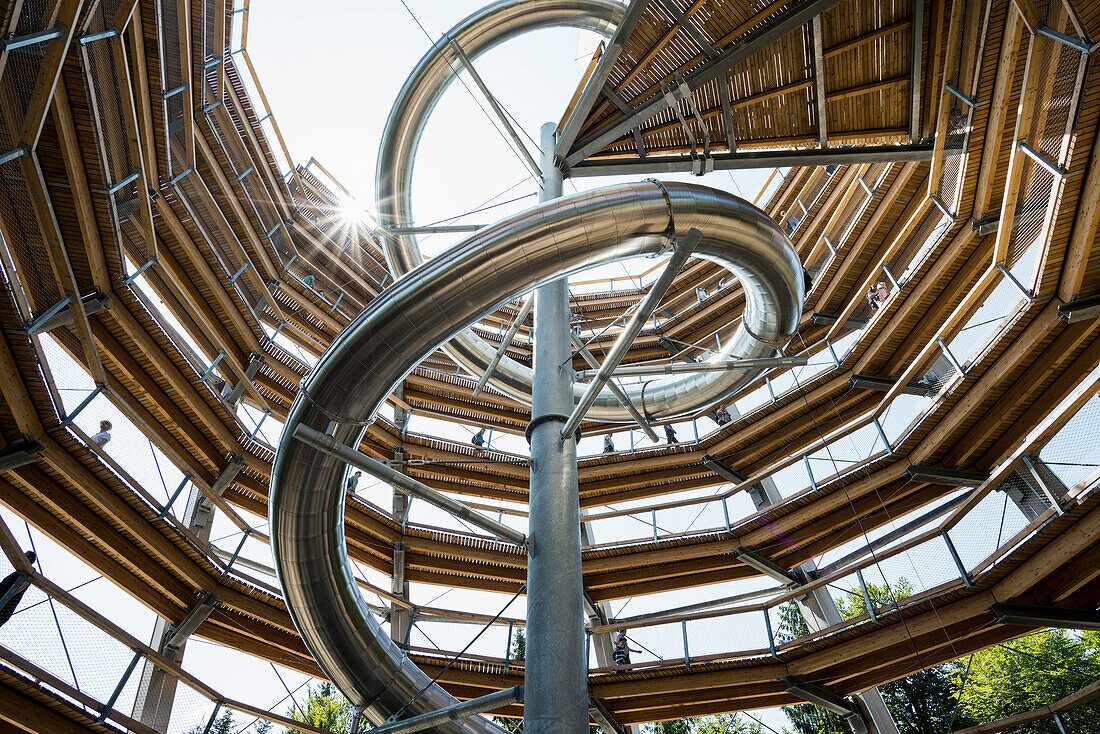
column 555, row 678
column 156, row 692
column 406, row 484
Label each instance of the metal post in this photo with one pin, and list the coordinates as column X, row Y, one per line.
column 958, row 561
column 409, row 485
column 951, row 357
column 555, row 679
column 882, row 435
column 771, row 636
column 175, row 495
column 213, row 717
column 156, row 688
column 508, row 646
column 633, row 327
column 107, row 707
column 809, row 471
column 505, row 341
column 454, row 712
column 83, row 404
column 233, row 558
column 624, row 399
column 866, row 596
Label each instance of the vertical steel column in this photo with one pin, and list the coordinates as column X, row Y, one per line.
column 555, row 678
column 156, row 692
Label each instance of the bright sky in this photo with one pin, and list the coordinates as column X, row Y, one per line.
column 331, row 69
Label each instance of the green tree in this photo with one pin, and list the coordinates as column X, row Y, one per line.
column 724, row 724
column 325, row 708
column 519, row 652
column 263, row 727
column 922, row 702
column 222, row 725
column 1031, row 672
column 805, row 718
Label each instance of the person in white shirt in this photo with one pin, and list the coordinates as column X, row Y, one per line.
column 100, row 439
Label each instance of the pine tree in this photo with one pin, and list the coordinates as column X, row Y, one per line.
column 222, row 725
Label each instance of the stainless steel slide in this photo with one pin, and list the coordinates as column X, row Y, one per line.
column 432, row 304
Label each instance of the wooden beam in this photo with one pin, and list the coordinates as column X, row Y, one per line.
column 59, row 259
column 49, row 73
column 1029, row 92
column 28, row 715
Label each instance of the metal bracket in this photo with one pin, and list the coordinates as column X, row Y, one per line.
column 673, row 93
column 30, row 39
column 89, row 37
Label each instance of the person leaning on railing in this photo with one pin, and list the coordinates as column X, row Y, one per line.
column 100, row 439
column 621, row 653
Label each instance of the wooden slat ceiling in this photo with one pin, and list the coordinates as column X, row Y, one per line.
column 773, row 95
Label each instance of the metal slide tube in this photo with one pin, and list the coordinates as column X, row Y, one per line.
column 503, row 348
column 476, row 34
column 555, row 678
column 586, row 355
column 633, row 327
column 415, row 315
column 645, row 370
column 407, row 484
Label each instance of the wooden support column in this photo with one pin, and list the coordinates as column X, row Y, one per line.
column 78, row 185
column 951, row 64
column 65, row 15
column 210, row 279
column 143, row 100
column 1085, row 222
column 1029, row 93
column 59, row 260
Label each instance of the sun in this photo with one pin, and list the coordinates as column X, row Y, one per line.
column 352, row 212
